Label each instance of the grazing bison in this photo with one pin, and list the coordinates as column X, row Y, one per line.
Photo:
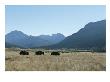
column 39, row 53
column 55, row 53
column 24, row 53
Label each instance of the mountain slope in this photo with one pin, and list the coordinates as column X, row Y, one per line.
column 8, row 45
column 93, row 35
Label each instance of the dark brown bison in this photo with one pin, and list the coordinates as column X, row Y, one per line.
column 39, row 53
column 55, row 53
column 24, row 52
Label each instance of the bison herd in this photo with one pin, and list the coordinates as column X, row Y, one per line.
column 23, row 52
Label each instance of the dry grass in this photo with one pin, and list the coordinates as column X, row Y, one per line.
column 75, row 61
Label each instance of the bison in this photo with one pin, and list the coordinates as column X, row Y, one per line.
column 55, row 53
column 24, row 52
column 39, row 53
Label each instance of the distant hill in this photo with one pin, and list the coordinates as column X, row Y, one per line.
column 8, row 45
column 54, row 38
column 93, row 35
column 20, row 39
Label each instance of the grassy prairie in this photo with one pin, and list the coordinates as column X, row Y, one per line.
column 72, row 61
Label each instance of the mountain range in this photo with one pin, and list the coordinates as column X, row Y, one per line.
column 18, row 38
column 93, row 35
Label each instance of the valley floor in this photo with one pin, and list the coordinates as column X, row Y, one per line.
column 72, row 61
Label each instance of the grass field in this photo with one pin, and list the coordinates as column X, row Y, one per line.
column 72, row 61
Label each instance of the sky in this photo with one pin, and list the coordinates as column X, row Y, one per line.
column 51, row 19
